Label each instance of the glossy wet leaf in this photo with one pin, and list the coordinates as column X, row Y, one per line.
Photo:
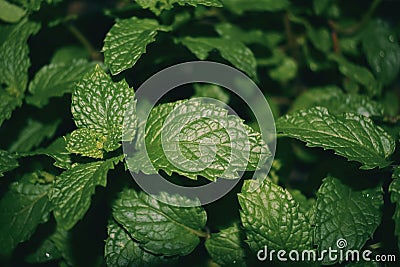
column 158, row 227
column 345, row 213
column 127, row 41
column 350, row 135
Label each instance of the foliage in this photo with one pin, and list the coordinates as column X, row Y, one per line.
column 69, row 73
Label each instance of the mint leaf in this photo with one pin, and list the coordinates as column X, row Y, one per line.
column 70, row 53
column 234, row 51
column 350, row 135
column 127, row 41
column 14, row 64
column 99, row 106
column 358, row 74
column 211, row 91
column 34, row 5
column 156, row 6
column 55, row 80
column 73, row 189
column 338, row 102
column 271, row 217
column 33, row 134
column 54, row 247
column 343, row 213
column 57, row 151
column 194, row 138
column 394, row 189
column 121, row 250
column 159, row 227
column 8, row 162
column 10, row 12
column 381, row 47
column 86, row 143
column 226, row 247
column 230, row 31
column 240, row 6
column 22, row 209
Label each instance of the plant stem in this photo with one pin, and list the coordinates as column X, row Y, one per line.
column 360, row 24
column 94, row 54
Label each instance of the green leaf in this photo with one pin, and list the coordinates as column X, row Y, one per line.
column 381, row 47
column 127, row 41
column 10, row 13
column 70, row 53
column 8, row 162
column 350, row 135
column 240, row 6
column 195, row 138
column 34, row 5
column 73, row 189
column 358, row 74
column 86, row 143
column 14, row 64
column 57, row 151
column 99, row 106
column 121, row 250
column 270, row 39
column 271, row 217
column 321, row 5
column 56, row 246
column 226, row 247
column 157, row 6
column 338, row 102
column 33, row 134
column 159, row 227
column 234, row 51
column 394, row 189
column 343, row 213
column 55, row 80
column 22, row 209
column 211, row 91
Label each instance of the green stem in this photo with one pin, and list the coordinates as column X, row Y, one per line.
column 94, row 54
column 359, row 25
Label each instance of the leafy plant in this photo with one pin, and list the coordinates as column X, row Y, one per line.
column 68, row 76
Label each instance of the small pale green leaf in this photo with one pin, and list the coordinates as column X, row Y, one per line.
column 22, row 209
column 359, row 74
column 234, row 51
column 73, row 189
column 127, row 41
column 240, row 6
column 382, row 49
column 159, row 227
column 271, row 217
column 8, row 162
column 55, row 80
column 33, row 134
column 86, row 143
column 343, row 213
column 121, row 250
column 226, row 247
column 350, row 135
column 195, row 138
column 285, row 71
column 157, row 6
column 270, row 39
column 10, row 12
column 394, row 189
column 99, row 105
